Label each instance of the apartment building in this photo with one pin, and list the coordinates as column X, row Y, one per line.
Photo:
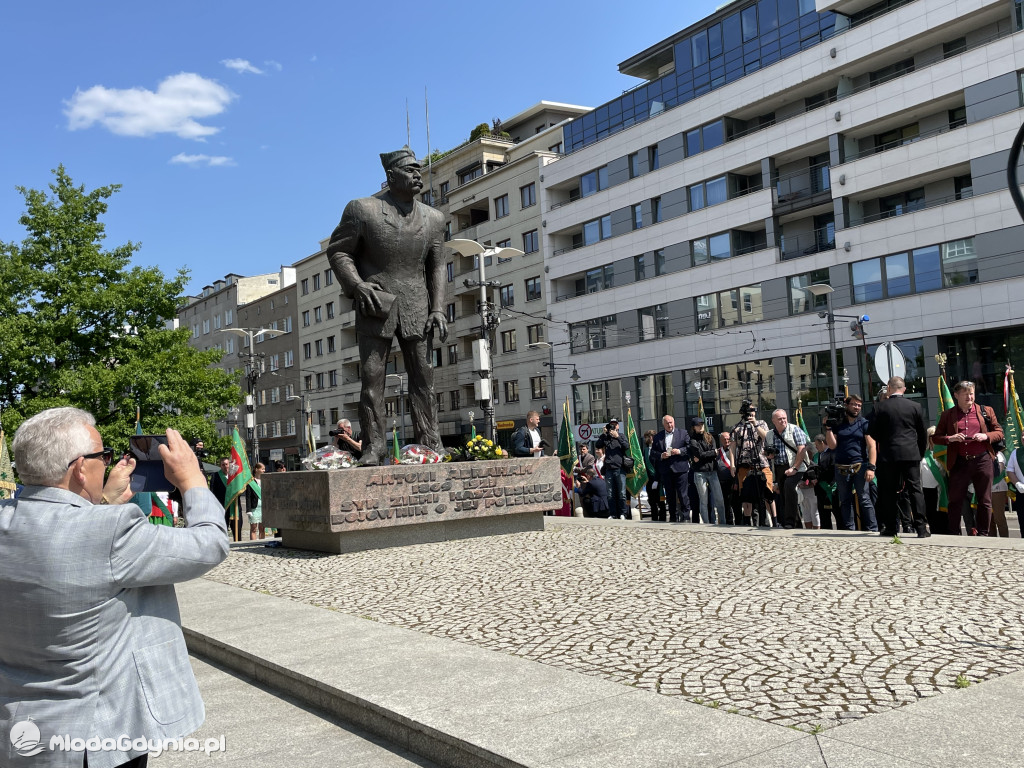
column 217, row 308
column 852, row 146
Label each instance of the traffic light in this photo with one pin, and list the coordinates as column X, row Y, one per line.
column 857, row 327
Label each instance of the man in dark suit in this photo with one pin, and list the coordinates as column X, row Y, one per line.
column 593, row 491
column 898, row 428
column 969, row 430
column 670, row 446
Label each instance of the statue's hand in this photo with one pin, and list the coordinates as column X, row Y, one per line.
column 367, row 300
column 436, row 322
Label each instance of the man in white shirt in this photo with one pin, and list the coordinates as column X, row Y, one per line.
column 526, row 442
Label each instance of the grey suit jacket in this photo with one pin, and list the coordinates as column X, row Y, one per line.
column 91, row 642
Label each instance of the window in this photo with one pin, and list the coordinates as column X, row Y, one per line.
column 538, row 387
column 275, row 395
column 195, row 330
column 316, row 282
column 305, row 286
column 954, row 47
column 528, row 194
column 596, row 230
column 216, row 322
column 508, row 341
column 330, row 344
column 511, row 391
column 449, row 312
column 427, row 198
column 800, row 299
column 449, row 270
column 637, row 216
column 320, row 381
column 286, row 324
column 704, row 138
column 652, row 322
column 275, row 362
column 963, row 187
column 328, row 277
column 706, row 312
column 442, row 190
column 453, row 400
column 318, row 314
column 506, row 243
column 332, row 379
column 501, row 207
column 308, row 380
column 330, row 310
column 229, row 344
column 439, row 397
column 472, row 173
column 532, row 288
column 711, row 248
column 534, row 334
column 531, row 244
column 645, row 266
column 901, row 203
column 557, row 148
column 307, row 351
column 206, row 326
column 319, row 344
column 435, row 357
column 593, row 182
column 594, row 280
column 706, row 193
column 229, row 316
column 305, row 319
column 507, row 295
column 453, row 354
column 959, row 263
column 655, row 210
column 653, row 159
column 289, row 358
column 634, row 165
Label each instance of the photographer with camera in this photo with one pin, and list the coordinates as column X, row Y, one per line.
column 344, row 441
column 750, row 466
column 616, row 449
column 854, row 451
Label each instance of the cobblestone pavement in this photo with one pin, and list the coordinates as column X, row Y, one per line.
column 800, row 631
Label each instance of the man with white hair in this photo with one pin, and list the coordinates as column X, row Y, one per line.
column 92, row 650
column 344, row 441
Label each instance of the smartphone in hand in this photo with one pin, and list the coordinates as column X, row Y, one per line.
column 148, row 476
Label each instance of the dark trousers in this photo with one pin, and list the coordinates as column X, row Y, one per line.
column 677, row 489
column 894, row 476
column 828, row 507
column 655, row 499
column 731, row 497
column 938, row 521
column 967, row 470
column 374, row 352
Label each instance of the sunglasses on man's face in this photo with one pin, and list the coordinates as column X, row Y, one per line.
column 107, row 454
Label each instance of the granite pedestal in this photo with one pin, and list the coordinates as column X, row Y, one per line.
column 351, row 510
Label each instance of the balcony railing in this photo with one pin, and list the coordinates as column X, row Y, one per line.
column 913, row 207
column 807, row 243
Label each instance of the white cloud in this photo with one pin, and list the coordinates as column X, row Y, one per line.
column 241, row 66
column 312, row 58
column 211, row 161
column 270, row 63
column 172, row 108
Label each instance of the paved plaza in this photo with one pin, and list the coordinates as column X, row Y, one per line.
column 803, row 629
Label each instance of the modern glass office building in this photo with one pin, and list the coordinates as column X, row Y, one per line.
column 856, row 147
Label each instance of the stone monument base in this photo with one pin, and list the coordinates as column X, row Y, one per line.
column 351, row 510
column 406, row 535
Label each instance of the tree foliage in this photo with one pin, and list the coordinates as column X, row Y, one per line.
column 81, row 326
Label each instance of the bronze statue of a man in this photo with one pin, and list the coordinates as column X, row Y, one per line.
column 388, row 255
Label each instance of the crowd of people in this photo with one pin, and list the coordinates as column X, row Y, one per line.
column 887, row 474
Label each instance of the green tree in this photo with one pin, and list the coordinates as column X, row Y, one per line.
column 81, row 326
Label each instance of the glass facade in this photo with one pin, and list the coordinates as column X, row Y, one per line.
column 743, row 42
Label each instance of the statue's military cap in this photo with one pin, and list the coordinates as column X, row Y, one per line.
column 390, row 159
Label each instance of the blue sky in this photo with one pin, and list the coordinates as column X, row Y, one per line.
column 239, row 130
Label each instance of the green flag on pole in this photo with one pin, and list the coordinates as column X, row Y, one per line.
column 239, row 474
column 566, row 443
column 1013, row 427
column 394, row 445
column 935, row 458
column 800, row 417
column 637, row 479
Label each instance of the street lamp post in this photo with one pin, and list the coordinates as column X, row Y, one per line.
column 253, row 371
column 306, row 409
column 401, row 405
column 826, row 290
column 488, row 321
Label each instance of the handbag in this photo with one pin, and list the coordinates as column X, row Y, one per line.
column 628, row 464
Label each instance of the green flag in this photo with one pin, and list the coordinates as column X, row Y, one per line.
column 7, row 484
column 239, row 474
column 945, row 403
column 566, row 444
column 1013, row 426
column 637, row 479
column 394, row 445
column 800, row 417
